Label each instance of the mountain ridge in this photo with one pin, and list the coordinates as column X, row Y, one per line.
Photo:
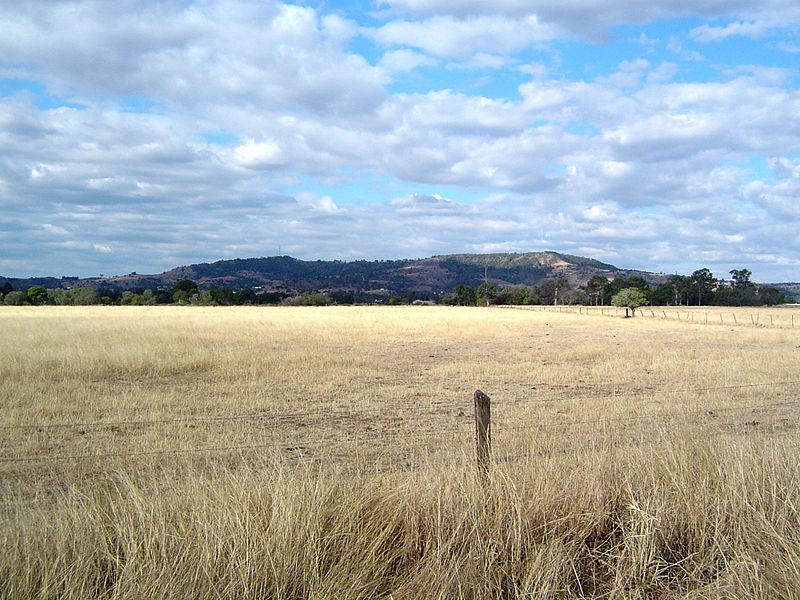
column 432, row 275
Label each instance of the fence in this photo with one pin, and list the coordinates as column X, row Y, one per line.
column 778, row 318
column 768, row 408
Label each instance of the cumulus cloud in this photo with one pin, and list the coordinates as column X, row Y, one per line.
column 582, row 17
column 450, row 37
column 106, row 156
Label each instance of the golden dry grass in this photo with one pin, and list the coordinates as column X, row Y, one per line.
column 634, row 458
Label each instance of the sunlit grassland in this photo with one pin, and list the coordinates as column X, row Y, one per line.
column 634, row 458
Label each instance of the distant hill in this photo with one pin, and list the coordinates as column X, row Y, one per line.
column 790, row 290
column 428, row 275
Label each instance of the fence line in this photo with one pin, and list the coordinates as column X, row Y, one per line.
column 788, row 322
column 651, row 392
column 654, row 416
column 202, row 419
column 392, row 436
column 281, row 417
column 614, row 445
column 389, row 436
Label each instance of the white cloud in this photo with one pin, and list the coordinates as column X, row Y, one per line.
column 258, row 155
column 587, row 18
column 449, row 37
column 613, row 162
column 709, row 33
column 402, row 61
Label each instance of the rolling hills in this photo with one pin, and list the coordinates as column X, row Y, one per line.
column 428, row 275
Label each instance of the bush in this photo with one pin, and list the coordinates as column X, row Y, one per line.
column 37, row 295
column 15, row 298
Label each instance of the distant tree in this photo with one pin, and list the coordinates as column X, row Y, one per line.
column 742, row 292
column 185, row 285
column 575, row 297
column 79, row 296
column 316, row 299
column 129, row 298
column 37, row 295
column 682, row 286
column 594, row 289
column 342, row 297
column 549, row 290
column 308, row 299
column 631, row 298
column 663, row 295
column 148, row 298
column 204, row 298
column 771, row 296
column 704, row 282
column 636, row 281
column 181, row 297
column 465, row 295
column 741, row 278
column 485, row 294
column 517, row 295
column 15, row 298
column 6, row 288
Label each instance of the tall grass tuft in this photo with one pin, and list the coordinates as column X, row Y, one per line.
column 693, row 519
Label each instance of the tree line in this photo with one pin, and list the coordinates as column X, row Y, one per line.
column 699, row 288
column 184, row 292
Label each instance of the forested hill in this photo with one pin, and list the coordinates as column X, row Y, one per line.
column 430, row 275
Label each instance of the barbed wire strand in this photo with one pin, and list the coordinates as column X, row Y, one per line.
column 299, row 446
column 281, row 417
column 389, row 436
column 650, row 392
column 613, row 446
column 655, row 416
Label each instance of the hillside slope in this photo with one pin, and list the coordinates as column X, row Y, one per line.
column 431, row 275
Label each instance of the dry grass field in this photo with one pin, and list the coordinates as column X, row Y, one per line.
column 182, row 452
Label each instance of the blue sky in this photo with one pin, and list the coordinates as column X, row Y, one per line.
column 137, row 136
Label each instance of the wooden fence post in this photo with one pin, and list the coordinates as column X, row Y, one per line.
column 483, row 432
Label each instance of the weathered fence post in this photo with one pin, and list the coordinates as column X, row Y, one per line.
column 483, row 432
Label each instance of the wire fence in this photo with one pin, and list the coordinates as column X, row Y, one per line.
column 778, row 318
column 425, row 429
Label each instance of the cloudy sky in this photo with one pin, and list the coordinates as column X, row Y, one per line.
column 137, row 136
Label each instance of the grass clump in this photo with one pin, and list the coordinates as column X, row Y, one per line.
column 691, row 520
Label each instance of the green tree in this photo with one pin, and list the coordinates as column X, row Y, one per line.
column 149, row 298
column 552, row 290
column 129, row 298
column 181, row 297
column 183, row 290
column 771, row 296
column 204, row 298
column 517, row 295
column 15, row 298
column 485, row 294
column 594, row 289
column 465, row 295
column 682, row 286
column 77, row 296
column 36, row 295
column 663, row 295
column 704, row 282
column 6, row 288
column 631, row 298
column 743, row 291
column 741, row 278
